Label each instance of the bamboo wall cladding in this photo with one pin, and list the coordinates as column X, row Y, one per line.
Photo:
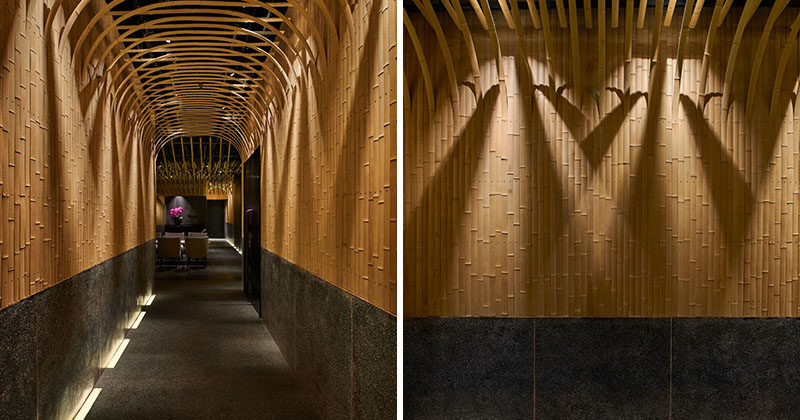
column 563, row 169
column 76, row 182
column 329, row 160
column 233, row 205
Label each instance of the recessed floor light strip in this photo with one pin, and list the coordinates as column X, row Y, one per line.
column 133, row 320
column 150, row 300
column 138, row 320
column 118, row 353
column 87, row 405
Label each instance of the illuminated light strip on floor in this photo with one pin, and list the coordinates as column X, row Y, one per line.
column 118, row 353
column 87, row 405
column 150, row 300
column 133, row 320
column 138, row 320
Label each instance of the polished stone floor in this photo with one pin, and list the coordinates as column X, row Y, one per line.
column 201, row 352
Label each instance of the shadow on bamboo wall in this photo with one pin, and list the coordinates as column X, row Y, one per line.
column 329, row 161
column 600, row 171
column 76, row 181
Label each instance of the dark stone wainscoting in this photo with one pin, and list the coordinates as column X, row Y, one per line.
column 53, row 344
column 343, row 348
column 546, row 368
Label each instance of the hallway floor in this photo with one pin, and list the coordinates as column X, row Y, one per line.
column 201, row 352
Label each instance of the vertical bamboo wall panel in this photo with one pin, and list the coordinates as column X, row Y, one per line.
column 76, row 184
column 329, row 161
column 160, row 211
column 594, row 187
column 233, row 205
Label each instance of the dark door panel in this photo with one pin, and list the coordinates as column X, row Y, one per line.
column 251, row 252
column 215, row 221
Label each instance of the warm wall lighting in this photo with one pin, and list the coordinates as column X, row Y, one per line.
column 138, row 320
column 87, row 405
column 149, row 300
column 118, row 353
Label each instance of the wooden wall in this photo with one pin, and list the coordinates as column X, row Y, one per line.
column 160, row 211
column 233, row 205
column 76, row 182
column 329, row 160
column 606, row 191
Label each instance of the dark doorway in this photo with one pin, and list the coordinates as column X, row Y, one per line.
column 251, row 253
column 215, row 221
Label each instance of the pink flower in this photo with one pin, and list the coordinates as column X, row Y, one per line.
column 175, row 212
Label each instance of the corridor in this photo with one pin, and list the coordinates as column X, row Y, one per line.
column 201, row 349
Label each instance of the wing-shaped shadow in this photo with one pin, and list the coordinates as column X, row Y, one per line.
column 546, row 204
column 644, row 213
column 596, row 144
column 345, row 183
column 460, row 163
column 281, row 200
column 570, row 114
column 733, row 199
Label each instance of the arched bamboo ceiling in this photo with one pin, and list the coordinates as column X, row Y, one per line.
column 182, row 68
column 634, row 13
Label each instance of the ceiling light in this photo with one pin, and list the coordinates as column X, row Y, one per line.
column 168, row 41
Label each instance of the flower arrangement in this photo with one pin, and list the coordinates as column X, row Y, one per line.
column 176, row 214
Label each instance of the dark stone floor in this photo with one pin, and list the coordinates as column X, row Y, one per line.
column 201, row 352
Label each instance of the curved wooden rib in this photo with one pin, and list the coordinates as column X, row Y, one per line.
column 562, row 17
column 348, row 17
column 214, row 68
column 655, row 37
column 601, row 54
column 716, row 17
column 724, row 12
column 698, row 7
column 777, row 9
column 520, row 37
column 587, row 13
column 684, row 33
column 788, row 49
column 506, row 13
column 197, row 42
column 749, row 9
column 457, row 14
column 423, row 63
column 181, row 29
column 535, row 14
column 670, row 12
column 628, row 44
column 575, row 46
column 501, row 75
column 133, row 13
column 429, row 14
column 51, row 17
column 548, row 46
column 478, row 12
column 184, row 47
column 173, row 3
column 642, row 11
